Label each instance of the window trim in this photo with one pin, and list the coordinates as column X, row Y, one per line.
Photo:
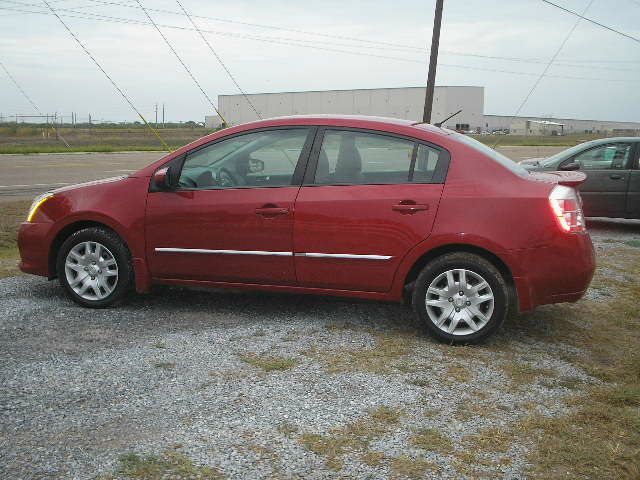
column 298, row 172
column 630, row 161
column 439, row 174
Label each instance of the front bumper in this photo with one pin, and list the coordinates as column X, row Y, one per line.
column 558, row 272
column 34, row 248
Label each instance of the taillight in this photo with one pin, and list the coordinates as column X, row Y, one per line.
column 567, row 208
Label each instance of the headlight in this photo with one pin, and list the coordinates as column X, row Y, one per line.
column 37, row 202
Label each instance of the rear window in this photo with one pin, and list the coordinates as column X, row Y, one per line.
column 493, row 154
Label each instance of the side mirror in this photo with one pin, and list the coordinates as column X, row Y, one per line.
column 568, row 167
column 162, row 178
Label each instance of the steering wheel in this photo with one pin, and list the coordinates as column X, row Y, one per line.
column 225, row 178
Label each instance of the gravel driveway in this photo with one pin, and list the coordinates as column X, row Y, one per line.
column 265, row 386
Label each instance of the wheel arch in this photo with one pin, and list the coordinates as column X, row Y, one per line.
column 438, row 251
column 69, row 230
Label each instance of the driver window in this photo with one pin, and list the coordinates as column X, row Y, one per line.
column 266, row 158
column 608, row 157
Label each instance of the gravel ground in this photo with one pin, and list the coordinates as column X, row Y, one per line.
column 175, row 370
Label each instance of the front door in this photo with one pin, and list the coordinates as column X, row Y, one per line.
column 608, row 171
column 230, row 218
column 368, row 198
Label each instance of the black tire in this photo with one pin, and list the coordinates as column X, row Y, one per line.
column 474, row 264
column 120, row 253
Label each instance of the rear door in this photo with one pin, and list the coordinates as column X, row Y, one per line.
column 368, row 198
column 633, row 194
column 608, row 169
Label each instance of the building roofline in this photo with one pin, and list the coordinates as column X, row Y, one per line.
column 535, row 117
column 348, row 90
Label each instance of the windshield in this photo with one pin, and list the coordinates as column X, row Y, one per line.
column 558, row 157
column 493, row 154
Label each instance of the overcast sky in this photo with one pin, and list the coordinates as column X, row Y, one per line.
column 308, row 51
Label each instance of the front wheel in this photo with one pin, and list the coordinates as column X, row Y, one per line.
column 461, row 298
column 94, row 267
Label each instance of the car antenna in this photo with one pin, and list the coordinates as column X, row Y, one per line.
column 439, row 124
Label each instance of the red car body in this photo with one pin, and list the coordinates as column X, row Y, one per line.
column 482, row 207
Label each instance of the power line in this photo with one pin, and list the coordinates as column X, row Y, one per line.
column 551, row 60
column 110, row 19
column 582, row 17
column 181, row 62
column 33, row 104
column 24, row 94
column 220, row 60
column 106, row 74
column 374, row 44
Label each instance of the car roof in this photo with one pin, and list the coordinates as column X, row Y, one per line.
column 361, row 121
column 599, row 141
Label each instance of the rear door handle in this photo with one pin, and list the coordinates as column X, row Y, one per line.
column 615, row 176
column 271, row 211
column 409, row 208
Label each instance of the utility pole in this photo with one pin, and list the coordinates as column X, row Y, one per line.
column 433, row 62
column 162, row 114
column 156, row 114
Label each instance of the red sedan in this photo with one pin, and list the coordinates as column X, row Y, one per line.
column 354, row 206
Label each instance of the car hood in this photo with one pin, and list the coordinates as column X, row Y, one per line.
column 89, row 184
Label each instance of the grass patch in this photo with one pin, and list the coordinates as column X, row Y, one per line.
column 414, row 468
column 12, row 214
column 536, row 140
column 492, row 439
column 600, row 436
column 633, row 243
column 522, row 373
column 432, row 440
column 268, row 363
column 373, row 459
column 171, row 464
column 19, row 139
column 383, row 357
column 354, row 437
column 459, row 373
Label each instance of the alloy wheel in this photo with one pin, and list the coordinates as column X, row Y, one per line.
column 459, row 302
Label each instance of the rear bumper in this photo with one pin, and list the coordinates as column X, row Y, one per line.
column 34, row 249
column 558, row 272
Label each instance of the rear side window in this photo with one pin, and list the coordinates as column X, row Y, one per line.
column 493, row 154
column 360, row 158
column 426, row 164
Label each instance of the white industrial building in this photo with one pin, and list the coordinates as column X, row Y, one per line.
column 407, row 103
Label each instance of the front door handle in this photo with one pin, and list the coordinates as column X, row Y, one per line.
column 271, row 211
column 409, row 208
column 615, row 176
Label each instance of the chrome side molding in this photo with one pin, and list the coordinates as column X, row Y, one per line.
column 346, row 256
column 224, row 252
column 351, row 256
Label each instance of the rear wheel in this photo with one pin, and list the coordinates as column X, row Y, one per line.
column 461, row 298
column 94, row 267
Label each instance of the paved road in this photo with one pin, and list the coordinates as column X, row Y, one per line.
column 24, row 176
